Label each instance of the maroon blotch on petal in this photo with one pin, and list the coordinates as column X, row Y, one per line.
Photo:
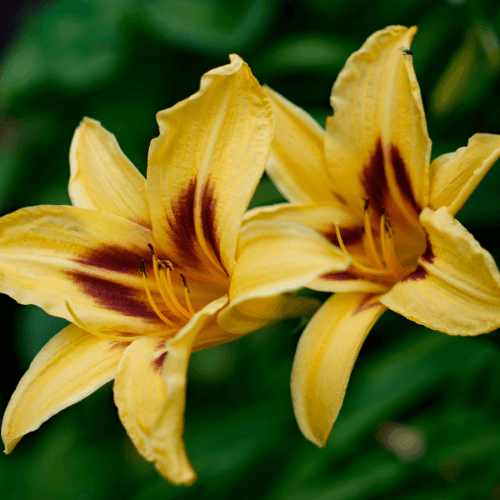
column 402, row 177
column 158, row 362
column 116, row 344
column 374, row 181
column 350, row 235
column 115, row 258
column 419, row 274
column 184, row 232
column 113, row 296
column 208, row 205
column 366, row 304
column 428, row 255
column 341, row 276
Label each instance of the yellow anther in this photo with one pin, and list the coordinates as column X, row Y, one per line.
column 98, row 333
column 186, row 295
column 355, row 263
column 150, row 298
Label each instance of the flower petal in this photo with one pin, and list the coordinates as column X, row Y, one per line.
column 321, row 217
column 454, row 176
column 150, row 393
column 456, row 287
column 72, row 365
column 53, row 254
column 103, row 178
column 325, row 356
column 279, row 256
column 297, row 161
column 377, row 143
column 205, row 165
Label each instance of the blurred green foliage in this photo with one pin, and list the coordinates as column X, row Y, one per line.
column 120, row 62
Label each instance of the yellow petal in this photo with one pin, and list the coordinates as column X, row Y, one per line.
column 325, row 355
column 377, row 141
column 454, row 176
column 456, row 287
column 205, row 165
column 276, row 257
column 321, row 217
column 53, row 254
column 150, row 393
column 103, row 178
column 297, row 161
column 72, row 365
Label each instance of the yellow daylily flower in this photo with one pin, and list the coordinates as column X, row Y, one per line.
column 142, row 268
column 367, row 184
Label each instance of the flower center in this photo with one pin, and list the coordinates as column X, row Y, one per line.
column 383, row 262
column 163, row 275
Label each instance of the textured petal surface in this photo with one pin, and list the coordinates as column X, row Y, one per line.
column 456, row 287
column 377, row 140
column 53, row 254
column 325, row 356
column 150, row 393
column 276, row 257
column 297, row 161
column 205, row 165
column 72, row 365
column 318, row 216
column 454, row 176
column 103, row 178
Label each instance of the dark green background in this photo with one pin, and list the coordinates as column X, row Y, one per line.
column 120, row 62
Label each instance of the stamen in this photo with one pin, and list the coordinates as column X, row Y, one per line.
column 186, row 295
column 170, row 289
column 368, row 240
column 98, row 333
column 150, row 298
column 355, row 263
column 161, row 286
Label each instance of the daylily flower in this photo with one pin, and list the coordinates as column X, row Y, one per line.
column 367, row 184
column 142, row 269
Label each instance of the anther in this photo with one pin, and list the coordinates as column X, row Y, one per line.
column 186, row 295
column 143, row 268
column 185, row 282
column 167, row 264
column 367, row 203
column 152, row 249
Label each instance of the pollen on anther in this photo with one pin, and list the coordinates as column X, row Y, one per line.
column 152, row 249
